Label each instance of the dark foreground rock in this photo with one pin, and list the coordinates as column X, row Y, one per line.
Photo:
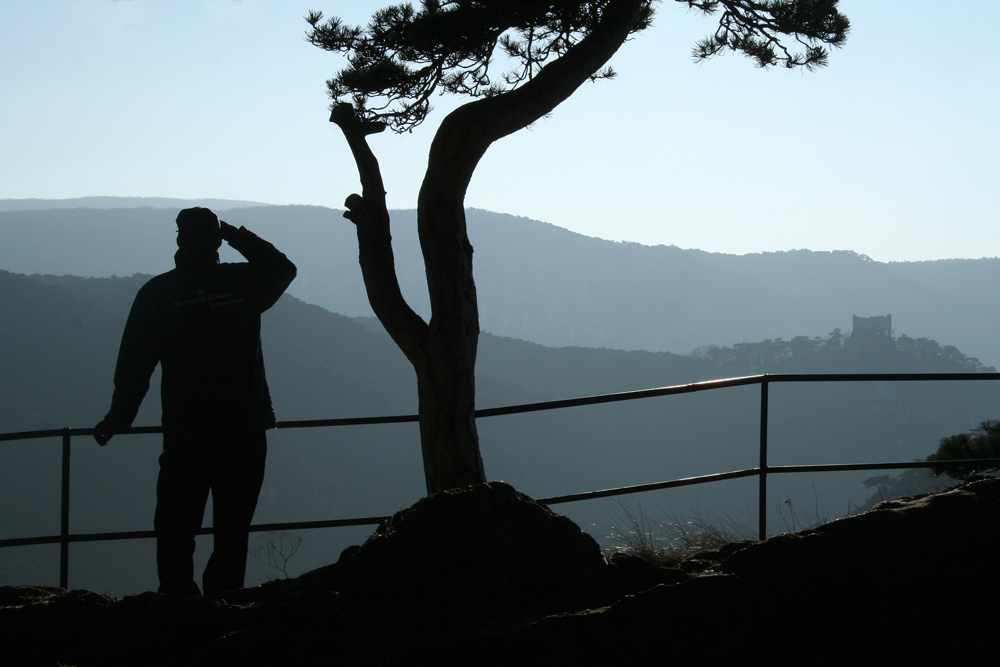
column 487, row 576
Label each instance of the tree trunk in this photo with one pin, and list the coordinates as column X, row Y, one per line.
column 449, row 441
column 446, row 382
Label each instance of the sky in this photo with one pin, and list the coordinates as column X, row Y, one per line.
column 892, row 151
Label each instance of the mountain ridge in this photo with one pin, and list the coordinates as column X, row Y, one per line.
column 100, row 202
column 542, row 283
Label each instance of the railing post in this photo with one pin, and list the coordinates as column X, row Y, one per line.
column 64, row 513
column 762, row 478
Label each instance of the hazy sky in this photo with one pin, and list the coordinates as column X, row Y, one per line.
column 891, row 151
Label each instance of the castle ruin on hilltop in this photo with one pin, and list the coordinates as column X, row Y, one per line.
column 879, row 326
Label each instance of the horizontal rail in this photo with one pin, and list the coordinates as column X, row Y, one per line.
column 571, row 402
column 552, row 500
column 59, row 432
column 653, row 486
column 149, row 534
column 733, row 382
column 839, row 467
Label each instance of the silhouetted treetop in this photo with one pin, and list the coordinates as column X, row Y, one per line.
column 482, row 48
column 755, row 29
column 404, row 55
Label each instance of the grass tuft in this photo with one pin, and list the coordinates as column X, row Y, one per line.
column 670, row 539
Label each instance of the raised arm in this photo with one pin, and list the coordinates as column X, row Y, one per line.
column 272, row 272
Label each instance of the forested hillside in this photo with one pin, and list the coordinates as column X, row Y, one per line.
column 542, row 283
column 60, row 337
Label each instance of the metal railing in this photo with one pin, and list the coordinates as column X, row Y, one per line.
column 64, row 538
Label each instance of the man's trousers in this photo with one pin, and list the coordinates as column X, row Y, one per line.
column 230, row 464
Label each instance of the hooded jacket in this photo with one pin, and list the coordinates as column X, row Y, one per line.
column 201, row 323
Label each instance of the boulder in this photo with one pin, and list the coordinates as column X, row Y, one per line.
column 477, row 554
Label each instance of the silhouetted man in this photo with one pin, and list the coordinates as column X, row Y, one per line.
column 201, row 323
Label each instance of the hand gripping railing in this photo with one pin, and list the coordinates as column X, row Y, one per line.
column 761, row 471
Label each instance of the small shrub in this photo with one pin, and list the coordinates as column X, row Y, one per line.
column 275, row 549
column 983, row 442
column 910, row 482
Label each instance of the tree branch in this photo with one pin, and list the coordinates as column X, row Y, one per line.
column 466, row 133
column 369, row 214
column 355, row 131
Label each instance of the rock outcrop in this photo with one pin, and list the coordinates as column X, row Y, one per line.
column 488, row 576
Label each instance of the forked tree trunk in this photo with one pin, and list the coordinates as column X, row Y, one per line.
column 443, row 351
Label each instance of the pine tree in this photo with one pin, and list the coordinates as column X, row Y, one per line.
column 550, row 48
